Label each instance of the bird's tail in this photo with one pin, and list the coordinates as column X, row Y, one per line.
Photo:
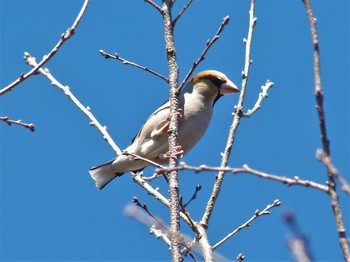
column 104, row 174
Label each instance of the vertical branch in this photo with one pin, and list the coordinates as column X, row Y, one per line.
column 236, row 120
column 173, row 126
column 325, row 142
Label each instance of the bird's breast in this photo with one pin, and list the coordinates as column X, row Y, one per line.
column 193, row 123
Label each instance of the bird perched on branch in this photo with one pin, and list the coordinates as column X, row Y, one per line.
column 196, row 103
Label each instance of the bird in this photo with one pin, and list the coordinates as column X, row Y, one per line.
column 196, row 102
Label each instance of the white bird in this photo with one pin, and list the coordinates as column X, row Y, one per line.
column 196, row 103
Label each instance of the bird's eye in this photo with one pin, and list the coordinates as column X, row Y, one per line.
column 216, row 81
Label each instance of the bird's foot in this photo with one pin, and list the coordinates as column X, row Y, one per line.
column 180, row 153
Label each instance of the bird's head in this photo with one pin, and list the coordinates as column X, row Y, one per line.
column 212, row 84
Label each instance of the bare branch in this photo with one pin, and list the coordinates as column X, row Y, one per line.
column 325, row 142
column 182, row 11
column 143, row 159
column 126, row 62
column 202, row 56
column 154, row 5
column 9, row 121
column 64, row 37
column 247, row 224
column 86, row 110
column 173, row 127
column 145, row 219
column 246, row 169
column 236, row 120
column 192, row 223
column 145, row 208
column 262, row 95
column 327, row 161
column 194, row 196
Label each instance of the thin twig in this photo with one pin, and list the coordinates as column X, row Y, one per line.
column 64, row 37
column 325, row 142
column 145, row 208
column 150, row 162
column 182, row 11
column 143, row 159
column 154, row 5
column 86, row 110
column 262, row 95
column 327, row 161
column 236, row 120
column 9, row 121
column 247, row 224
column 154, row 192
column 194, row 196
column 202, row 56
column 134, row 212
column 126, row 62
column 192, row 223
column 246, row 169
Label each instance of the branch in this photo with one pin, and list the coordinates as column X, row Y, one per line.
column 325, row 142
column 143, row 159
column 246, row 169
column 262, row 95
column 247, row 224
column 126, row 62
column 86, row 110
column 236, row 120
column 182, row 11
column 172, row 132
column 154, row 5
column 131, row 211
column 145, row 208
column 64, row 37
column 327, row 161
column 225, row 21
column 154, row 192
column 7, row 120
column 140, row 216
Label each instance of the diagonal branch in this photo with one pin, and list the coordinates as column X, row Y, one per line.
column 86, row 110
column 247, row 224
column 64, row 37
column 154, row 5
column 126, row 62
column 9, row 121
column 182, row 11
column 225, row 21
column 236, row 120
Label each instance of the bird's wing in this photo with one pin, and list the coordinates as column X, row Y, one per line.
column 151, row 140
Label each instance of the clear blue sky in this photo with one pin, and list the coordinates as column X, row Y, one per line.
column 50, row 208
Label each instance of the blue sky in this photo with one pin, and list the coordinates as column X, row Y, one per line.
column 50, row 208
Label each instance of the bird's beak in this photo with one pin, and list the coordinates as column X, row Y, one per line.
column 228, row 88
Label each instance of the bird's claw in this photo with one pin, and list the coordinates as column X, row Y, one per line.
column 180, row 153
